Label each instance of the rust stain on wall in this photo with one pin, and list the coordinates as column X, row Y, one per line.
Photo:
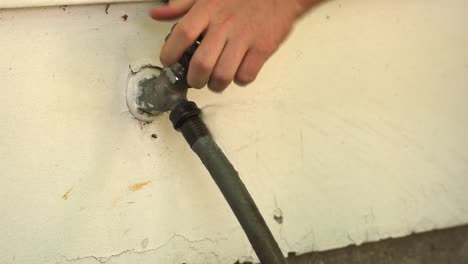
column 66, row 195
column 138, row 186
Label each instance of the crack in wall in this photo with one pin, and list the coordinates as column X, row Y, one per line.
column 142, row 252
column 279, row 218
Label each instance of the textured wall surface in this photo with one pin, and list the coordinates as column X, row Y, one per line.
column 355, row 131
column 38, row 3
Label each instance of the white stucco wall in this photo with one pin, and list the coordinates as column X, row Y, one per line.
column 356, row 129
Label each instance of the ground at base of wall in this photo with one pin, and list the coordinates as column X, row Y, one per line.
column 447, row 246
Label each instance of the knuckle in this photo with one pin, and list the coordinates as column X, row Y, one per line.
column 184, row 33
column 200, row 64
column 224, row 22
column 264, row 50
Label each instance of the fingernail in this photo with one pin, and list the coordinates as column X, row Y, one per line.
column 216, row 87
column 242, row 84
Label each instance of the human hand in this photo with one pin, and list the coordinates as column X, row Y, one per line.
column 239, row 37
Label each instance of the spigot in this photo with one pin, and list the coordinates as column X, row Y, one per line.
column 153, row 90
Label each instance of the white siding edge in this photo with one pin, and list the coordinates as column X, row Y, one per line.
column 39, row 3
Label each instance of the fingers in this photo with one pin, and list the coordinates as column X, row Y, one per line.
column 205, row 58
column 174, row 9
column 227, row 65
column 250, row 67
column 184, row 35
column 246, row 35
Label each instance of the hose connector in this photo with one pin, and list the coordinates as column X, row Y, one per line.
column 186, row 118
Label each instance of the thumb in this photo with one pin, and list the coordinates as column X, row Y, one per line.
column 175, row 9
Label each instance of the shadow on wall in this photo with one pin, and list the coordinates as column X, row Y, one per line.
column 434, row 247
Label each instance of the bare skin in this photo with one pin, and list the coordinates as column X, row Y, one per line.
column 239, row 36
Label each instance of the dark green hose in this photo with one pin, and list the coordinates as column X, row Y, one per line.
column 186, row 119
column 238, row 197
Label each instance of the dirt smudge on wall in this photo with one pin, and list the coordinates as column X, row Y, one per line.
column 138, row 186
